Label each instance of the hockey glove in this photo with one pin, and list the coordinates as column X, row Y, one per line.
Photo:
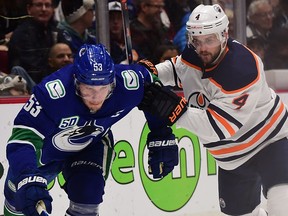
column 162, row 155
column 30, row 190
column 149, row 66
column 162, row 102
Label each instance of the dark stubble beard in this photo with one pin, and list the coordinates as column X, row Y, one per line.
column 213, row 57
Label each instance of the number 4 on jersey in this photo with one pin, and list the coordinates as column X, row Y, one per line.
column 240, row 101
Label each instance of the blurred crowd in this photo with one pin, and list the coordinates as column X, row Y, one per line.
column 37, row 37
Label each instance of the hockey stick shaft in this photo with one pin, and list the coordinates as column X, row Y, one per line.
column 41, row 209
column 127, row 33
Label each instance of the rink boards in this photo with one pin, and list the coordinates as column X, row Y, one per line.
column 189, row 191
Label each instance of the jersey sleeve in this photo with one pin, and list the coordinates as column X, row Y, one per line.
column 167, row 72
column 31, row 125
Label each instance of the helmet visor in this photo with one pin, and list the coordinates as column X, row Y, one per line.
column 89, row 92
column 209, row 41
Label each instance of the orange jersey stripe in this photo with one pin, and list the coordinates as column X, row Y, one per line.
column 254, row 140
column 222, row 121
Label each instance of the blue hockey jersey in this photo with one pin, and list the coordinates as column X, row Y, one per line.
column 56, row 124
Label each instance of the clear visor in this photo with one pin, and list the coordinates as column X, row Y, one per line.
column 89, row 92
column 209, row 41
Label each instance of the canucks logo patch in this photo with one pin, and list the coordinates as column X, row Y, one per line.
column 131, row 80
column 56, row 89
column 76, row 138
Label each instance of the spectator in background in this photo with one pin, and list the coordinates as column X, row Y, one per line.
column 79, row 15
column 275, row 5
column 58, row 13
column 257, row 45
column 277, row 52
column 117, row 40
column 12, row 12
column 147, row 29
column 60, row 55
column 164, row 52
column 281, row 17
column 32, row 39
column 176, row 10
column 180, row 39
column 4, row 53
column 230, row 14
column 260, row 19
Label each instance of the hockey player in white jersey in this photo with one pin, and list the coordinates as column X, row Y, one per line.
column 237, row 117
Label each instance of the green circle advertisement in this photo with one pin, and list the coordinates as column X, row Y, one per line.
column 175, row 190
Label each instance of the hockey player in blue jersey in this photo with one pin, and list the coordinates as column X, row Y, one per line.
column 66, row 126
column 237, row 117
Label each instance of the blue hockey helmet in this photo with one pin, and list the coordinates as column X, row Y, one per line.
column 94, row 65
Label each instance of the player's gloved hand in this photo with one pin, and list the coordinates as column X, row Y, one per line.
column 148, row 65
column 31, row 189
column 162, row 155
column 162, row 102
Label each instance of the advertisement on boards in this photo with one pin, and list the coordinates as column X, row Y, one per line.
column 190, row 190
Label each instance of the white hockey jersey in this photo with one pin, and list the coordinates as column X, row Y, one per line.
column 231, row 108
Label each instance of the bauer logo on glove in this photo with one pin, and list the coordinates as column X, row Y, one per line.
column 178, row 111
column 159, row 143
column 32, row 190
column 163, row 154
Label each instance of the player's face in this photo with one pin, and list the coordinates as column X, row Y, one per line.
column 94, row 96
column 208, row 47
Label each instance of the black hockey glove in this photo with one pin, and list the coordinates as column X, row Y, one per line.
column 30, row 190
column 149, row 65
column 162, row 155
column 162, row 102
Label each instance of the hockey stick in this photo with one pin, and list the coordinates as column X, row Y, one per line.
column 41, row 209
column 126, row 28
